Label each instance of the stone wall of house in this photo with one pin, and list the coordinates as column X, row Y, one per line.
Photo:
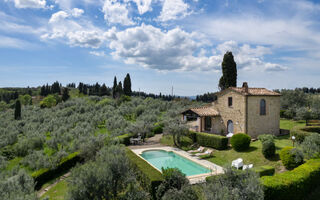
column 263, row 124
column 217, row 126
column 236, row 112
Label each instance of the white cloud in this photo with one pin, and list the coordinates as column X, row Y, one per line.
column 98, row 53
column 63, row 25
column 10, row 42
column 143, row 6
column 116, row 12
column 173, row 9
column 29, row 3
column 271, row 67
column 140, row 45
column 76, row 12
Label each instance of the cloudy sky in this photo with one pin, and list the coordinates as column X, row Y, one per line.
column 161, row 43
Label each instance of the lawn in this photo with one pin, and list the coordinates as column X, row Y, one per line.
column 289, row 124
column 57, row 192
column 252, row 155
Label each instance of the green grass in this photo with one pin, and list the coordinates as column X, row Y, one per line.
column 12, row 163
column 253, row 155
column 186, row 142
column 57, row 192
column 289, row 124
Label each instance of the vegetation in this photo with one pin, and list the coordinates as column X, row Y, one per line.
column 234, row 185
column 268, row 145
column 264, row 170
column 311, row 146
column 210, row 140
column 293, row 184
column 291, row 157
column 240, row 141
column 301, row 132
column 17, row 110
column 229, row 72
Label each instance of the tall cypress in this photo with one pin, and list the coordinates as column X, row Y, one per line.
column 65, row 94
column 127, row 85
column 17, row 110
column 114, row 87
column 229, row 72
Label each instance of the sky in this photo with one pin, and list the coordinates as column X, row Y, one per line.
column 160, row 43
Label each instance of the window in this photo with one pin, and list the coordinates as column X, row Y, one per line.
column 229, row 101
column 263, row 107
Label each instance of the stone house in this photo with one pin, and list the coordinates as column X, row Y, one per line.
column 253, row 111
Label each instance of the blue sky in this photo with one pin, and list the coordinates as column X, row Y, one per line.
column 161, row 43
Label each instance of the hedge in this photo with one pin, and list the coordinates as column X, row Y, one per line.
column 293, row 185
column 44, row 175
column 301, row 132
column 149, row 177
column 210, row 140
column 291, row 157
column 264, row 170
column 124, row 139
column 240, row 141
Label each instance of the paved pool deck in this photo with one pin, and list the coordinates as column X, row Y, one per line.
column 215, row 169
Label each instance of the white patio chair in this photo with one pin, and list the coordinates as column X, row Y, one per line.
column 200, row 149
column 237, row 163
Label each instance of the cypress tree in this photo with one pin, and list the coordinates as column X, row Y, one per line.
column 103, row 90
column 114, row 87
column 65, row 94
column 127, row 85
column 17, row 110
column 229, row 72
column 119, row 89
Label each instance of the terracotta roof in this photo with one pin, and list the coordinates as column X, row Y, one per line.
column 255, row 91
column 205, row 111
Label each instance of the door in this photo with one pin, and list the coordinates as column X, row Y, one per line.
column 207, row 123
column 230, row 126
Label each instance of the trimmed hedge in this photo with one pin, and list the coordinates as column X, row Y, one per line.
column 240, row 141
column 291, row 157
column 292, row 185
column 149, row 177
column 124, row 139
column 44, row 175
column 210, row 140
column 268, row 148
column 264, row 170
column 301, row 132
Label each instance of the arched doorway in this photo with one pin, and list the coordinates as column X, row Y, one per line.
column 230, row 126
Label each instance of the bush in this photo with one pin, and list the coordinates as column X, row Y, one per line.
column 149, row 177
column 124, row 139
column 48, row 102
column 293, row 185
column 301, row 132
column 268, row 149
column 210, row 140
column 158, row 129
column 264, row 170
column 311, row 146
column 44, row 175
column 291, row 157
column 265, row 137
column 240, row 141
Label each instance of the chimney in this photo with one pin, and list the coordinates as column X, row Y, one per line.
column 245, row 87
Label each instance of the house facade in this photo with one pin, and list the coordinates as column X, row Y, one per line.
column 253, row 111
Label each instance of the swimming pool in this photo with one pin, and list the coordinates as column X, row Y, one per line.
column 168, row 159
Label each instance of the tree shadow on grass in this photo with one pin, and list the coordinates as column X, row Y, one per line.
column 276, row 157
column 251, row 148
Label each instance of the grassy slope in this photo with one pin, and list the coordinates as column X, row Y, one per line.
column 57, row 192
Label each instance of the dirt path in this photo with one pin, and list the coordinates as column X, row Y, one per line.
column 46, row 189
column 150, row 142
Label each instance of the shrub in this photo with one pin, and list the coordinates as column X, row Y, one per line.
column 240, row 141
column 124, row 139
column 158, row 129
column 291, row 157
column 149, row 177
column 45, row 174
column 268, row 148
column 265, row 137
column 264, row 170
column 48, row 102
column 301, row 132
column 293, row 185
column 210, row 140
column 311, row 146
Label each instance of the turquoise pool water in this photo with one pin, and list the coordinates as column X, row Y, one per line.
column 168, row 159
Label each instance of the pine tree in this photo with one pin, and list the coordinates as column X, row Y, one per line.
column 127, row 85
column 65, row 94
column 229, row 72
column 114, row 87
column 103, row 90
column 17, row 111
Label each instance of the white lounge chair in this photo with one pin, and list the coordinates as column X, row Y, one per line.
column 247, row 167
column 208, row 152
column 237, row 163
column 200, row 149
